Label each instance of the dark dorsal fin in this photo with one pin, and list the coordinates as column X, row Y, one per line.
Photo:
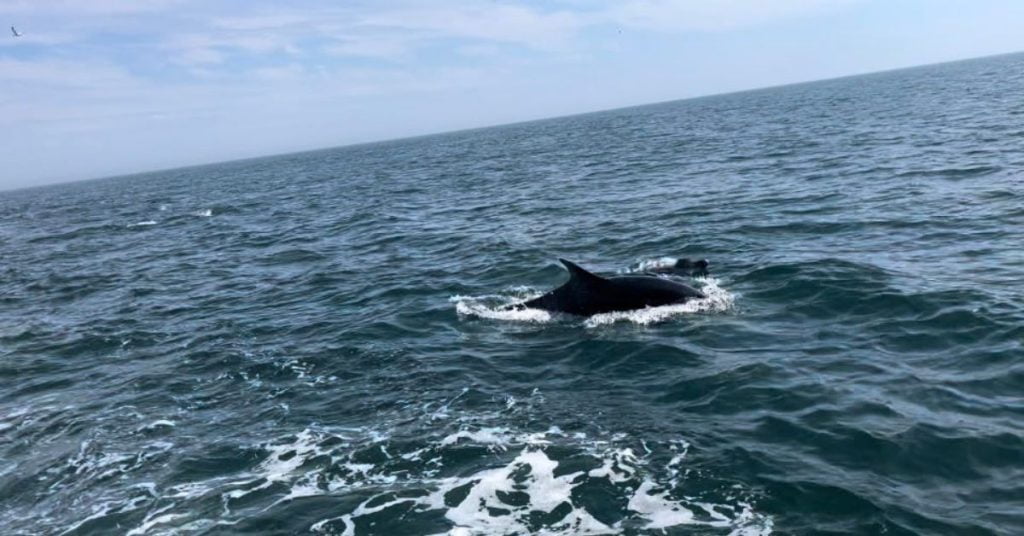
column 579, row 274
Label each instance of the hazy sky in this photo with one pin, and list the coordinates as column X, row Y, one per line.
column 100, row 87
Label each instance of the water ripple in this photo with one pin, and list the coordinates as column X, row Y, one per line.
column 316, row 342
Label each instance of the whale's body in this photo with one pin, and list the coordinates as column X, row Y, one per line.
column 588, row 294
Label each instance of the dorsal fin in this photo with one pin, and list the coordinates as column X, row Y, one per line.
column 577, row 273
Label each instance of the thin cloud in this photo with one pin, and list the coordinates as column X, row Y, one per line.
column 384, row 46
column 519, row 25
column 67, row 74
column 718, row 15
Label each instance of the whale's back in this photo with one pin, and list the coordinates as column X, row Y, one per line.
column 588, row 294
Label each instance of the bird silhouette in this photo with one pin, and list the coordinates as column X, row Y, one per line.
column 15, row 32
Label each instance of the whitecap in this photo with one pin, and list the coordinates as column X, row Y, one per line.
column 660, row 512
column 155, row 425
column 151, row 522
column 486, row 436
column 534, row 477
column 142, row 223
column 518, row 475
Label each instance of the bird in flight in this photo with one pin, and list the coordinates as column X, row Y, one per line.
column 15, row 32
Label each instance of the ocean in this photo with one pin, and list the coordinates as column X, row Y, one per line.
column 317, row 343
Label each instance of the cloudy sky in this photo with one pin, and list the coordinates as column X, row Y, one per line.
column 100, row 87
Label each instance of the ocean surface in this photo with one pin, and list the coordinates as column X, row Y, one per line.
column 315, row 343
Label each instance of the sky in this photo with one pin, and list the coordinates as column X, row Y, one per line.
column 103, row 87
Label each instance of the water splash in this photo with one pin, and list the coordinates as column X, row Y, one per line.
column 496, row 307
column 480, row 473
column 647, row 265
column 717, row 300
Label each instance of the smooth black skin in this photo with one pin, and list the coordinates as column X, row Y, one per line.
column 588, row 294
column 698, row 268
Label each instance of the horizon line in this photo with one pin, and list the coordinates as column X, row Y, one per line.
column 501, row 125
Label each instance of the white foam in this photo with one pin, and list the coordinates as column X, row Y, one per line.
column 442, row 412
column 655, row 264
column 190, row 490
column 531, row 476
column 285, row 458
column 92, row 462
column 495, row 307
column 321, row 526
column 659, row 511
column 162, row 423
column 499, row 437
column 142, row 223
column 150, row 523
column 206, row 213
column 105, row 508
column 545, row 491
column 619, row 466
column 680, row 450
column 717, row 300
column 517, row 480
column 749, row 523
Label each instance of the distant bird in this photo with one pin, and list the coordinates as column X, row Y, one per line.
column 15, row 32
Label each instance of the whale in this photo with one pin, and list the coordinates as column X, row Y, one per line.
column 587, row 293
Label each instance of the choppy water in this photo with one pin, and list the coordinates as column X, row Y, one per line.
column 311, row 344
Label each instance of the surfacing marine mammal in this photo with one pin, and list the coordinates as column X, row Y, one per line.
column 588, row 294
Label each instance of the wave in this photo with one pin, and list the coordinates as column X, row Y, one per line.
column 952, row 172
column 470, row 475
column 910, row 319
column 83, row 231
column 291, row 256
